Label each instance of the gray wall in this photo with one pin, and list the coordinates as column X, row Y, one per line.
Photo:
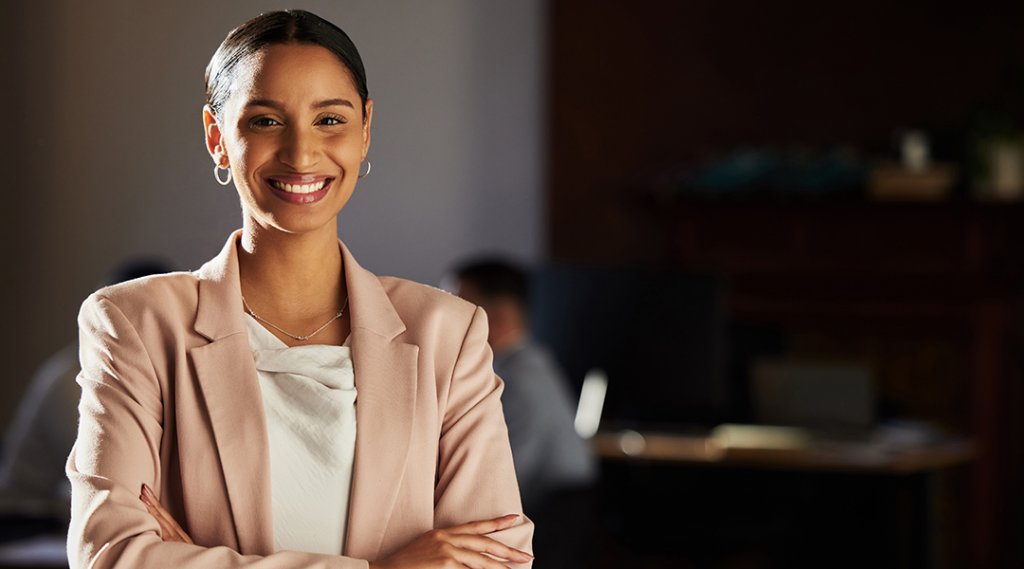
column 106, row 157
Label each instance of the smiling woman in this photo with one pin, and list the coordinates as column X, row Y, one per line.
column 282, row 407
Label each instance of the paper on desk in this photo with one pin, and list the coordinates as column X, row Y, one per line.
column 762, row 437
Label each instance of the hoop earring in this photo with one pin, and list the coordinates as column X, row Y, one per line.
column 369, row 167
column 216, row 174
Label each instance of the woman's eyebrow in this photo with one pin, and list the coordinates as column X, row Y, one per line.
column 318, row 105
column 264, row 103
column 333, row 102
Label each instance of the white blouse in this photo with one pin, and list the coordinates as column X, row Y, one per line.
column 309, row 398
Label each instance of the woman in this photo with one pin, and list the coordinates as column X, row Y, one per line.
column 227, row 397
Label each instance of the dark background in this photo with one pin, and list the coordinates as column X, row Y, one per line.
column 643, row 95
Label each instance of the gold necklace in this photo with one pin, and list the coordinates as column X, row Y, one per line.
column 289, row 334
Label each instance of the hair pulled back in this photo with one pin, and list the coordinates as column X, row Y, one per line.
column 287, row 26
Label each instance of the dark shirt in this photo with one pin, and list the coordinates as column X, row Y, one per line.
column 539, row 411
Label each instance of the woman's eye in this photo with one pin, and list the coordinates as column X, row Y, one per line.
column 331, row 121
column 263, row 122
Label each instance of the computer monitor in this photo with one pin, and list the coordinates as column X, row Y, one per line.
column 658, row 335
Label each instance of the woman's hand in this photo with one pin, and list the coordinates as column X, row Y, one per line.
column 459, row 546
column 169, row 528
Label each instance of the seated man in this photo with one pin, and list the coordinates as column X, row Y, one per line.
column 554, row 466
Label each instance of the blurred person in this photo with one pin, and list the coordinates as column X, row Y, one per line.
column 554, row 466
column 282, row 407
column 34, row 491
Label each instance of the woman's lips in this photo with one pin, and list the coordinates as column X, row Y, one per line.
column 300, row 189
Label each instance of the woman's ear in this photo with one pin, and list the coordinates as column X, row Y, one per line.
column 214, row 138
column 367, row 120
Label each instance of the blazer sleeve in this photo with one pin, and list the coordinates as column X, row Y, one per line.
column 118, row 448
column 476, row 478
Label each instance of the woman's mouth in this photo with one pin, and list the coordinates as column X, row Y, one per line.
column 300, row 190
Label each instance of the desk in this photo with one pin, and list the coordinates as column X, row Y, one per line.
column 823, row 495
column 822, row 455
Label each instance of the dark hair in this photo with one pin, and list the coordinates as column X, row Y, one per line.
column 288, row 26
column 496, row 278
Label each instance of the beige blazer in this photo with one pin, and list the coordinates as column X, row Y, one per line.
column 170, row 397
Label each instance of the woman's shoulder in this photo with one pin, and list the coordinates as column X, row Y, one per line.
column 418, row 302
column 166, row 292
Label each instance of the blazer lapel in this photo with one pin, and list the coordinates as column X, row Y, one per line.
column 385, row 372
column 227, row 377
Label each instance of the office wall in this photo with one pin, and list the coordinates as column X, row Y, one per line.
column 107, row 159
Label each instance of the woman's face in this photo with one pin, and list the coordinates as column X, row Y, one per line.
column 293, row 132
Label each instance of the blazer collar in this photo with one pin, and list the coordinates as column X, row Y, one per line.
column 220, row 314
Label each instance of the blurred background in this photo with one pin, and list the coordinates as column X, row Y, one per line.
column 788, row 234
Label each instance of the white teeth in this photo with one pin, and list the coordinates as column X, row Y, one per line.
column 299, row 188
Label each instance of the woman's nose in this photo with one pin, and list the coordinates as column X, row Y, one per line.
column 299, row 149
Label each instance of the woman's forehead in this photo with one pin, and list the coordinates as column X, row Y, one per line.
column 292, row 73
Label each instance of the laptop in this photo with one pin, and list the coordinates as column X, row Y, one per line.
column 656, row 336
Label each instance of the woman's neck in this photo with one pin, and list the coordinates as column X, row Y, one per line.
column 291, row 279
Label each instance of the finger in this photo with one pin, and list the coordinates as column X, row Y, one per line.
column 483, row 544
column 164, row 515
column 475, row 560
column 175, row 526
column 155, row 507
column 164, row 518
column 486, row 526
column 166, row 532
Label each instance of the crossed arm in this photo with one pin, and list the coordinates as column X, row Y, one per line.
column 465, row 544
